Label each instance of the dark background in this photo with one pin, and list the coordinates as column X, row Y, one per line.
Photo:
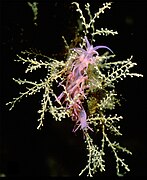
column 55, row 150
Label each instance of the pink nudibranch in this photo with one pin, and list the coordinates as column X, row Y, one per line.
column 76, row 83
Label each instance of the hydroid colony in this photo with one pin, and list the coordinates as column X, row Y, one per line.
column 87, row 80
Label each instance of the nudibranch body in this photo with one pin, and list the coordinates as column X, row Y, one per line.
column 75, row 84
